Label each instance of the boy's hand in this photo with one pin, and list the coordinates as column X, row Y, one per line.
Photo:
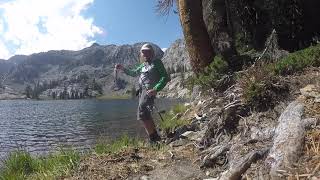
column 151, row 92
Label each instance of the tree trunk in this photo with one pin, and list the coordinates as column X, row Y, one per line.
column 195, row 33
column 218, row 21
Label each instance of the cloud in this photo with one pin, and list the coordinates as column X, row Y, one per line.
column 164, row 49
column 41, row 25
column 4, row 52
column 1, row 26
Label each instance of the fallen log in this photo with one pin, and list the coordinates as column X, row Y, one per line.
column 210, row 159
column 239, row 167
column 288, row 139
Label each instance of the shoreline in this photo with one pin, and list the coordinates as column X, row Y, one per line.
column 72, row 159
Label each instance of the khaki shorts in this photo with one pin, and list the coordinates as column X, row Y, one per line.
column 145, row 106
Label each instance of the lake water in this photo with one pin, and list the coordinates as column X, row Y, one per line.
column 43, row 126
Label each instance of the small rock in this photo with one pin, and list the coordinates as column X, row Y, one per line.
column 261, row 134
column 207, row 173
column 194, row 136
column 179, row 142
column 186, row 134
column 311, row 91
column 181, row 130
column 310, row 122
column 200, row 117
column 144, row 177
column 200, row 103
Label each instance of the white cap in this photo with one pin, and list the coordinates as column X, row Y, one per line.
column 146, row 47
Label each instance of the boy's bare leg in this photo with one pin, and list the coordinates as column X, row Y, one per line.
column 149, row 126
column 151, row 130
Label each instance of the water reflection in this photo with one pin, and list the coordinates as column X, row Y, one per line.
column 42, row 126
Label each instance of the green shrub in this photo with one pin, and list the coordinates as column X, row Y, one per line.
column 298, row 60
column 253, row 90
column 261, row 84
column 208, row 79
column 261, row 89
column 179, row 108
column 171, row 121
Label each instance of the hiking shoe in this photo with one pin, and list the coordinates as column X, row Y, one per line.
column 154, row 138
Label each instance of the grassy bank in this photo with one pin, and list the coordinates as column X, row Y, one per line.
column 122, row 143
column 21, row 165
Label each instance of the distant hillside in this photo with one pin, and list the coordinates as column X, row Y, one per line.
column 177, row 63
column 58, row 71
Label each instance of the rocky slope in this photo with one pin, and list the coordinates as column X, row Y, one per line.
column 176, row 58
column 223, row 142
column 177, row 63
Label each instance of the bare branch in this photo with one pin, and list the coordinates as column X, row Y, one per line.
column 164, row 6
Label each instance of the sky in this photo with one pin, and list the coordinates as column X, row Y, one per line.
column 32, row 26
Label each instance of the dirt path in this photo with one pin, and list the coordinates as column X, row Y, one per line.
column 141, row 163
column 177, row 170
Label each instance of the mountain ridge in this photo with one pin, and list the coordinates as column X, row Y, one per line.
column 65, row 66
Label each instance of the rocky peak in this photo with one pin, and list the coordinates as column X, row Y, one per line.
column 176, row 58
column 95, row 44
column 176, row 61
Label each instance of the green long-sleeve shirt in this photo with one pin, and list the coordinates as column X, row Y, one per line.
column 152, row 75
